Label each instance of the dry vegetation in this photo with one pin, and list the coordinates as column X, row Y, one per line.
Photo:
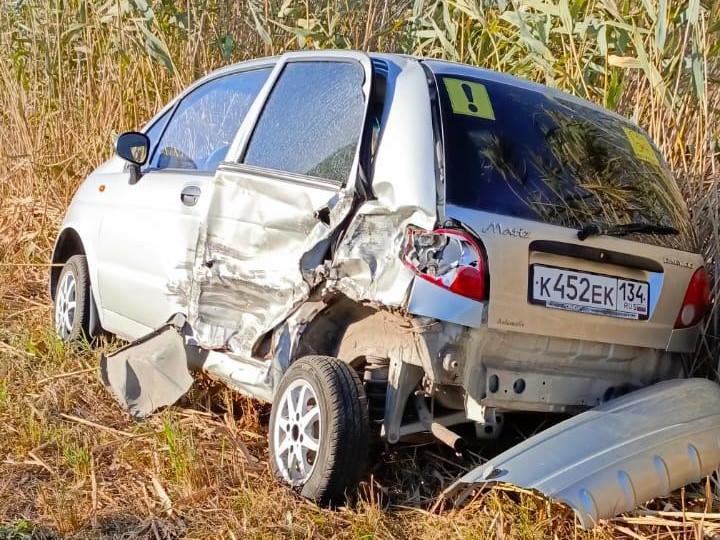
column 74, row 72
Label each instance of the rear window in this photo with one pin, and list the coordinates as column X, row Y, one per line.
column 522, row 153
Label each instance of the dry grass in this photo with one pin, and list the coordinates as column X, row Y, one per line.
column 73, row 73
column 72, row 464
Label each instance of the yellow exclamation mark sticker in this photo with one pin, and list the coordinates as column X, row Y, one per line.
column 641, row 146
column 469, row 98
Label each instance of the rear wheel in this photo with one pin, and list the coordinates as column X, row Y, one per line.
column 320, row 429
column 72, row 301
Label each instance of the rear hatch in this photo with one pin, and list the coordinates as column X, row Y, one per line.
column 527, row 168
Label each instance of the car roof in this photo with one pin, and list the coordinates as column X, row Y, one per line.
column 438, row 67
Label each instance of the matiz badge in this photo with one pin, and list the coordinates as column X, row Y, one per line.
column 678, row 262
column 495, row 227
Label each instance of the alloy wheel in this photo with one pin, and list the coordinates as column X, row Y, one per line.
column 65, row 304
column 297, row 432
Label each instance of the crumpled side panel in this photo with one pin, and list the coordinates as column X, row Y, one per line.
column 367, row 266
column 265, row 240
column 246, row 277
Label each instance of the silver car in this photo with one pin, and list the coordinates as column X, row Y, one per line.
column 381, row 245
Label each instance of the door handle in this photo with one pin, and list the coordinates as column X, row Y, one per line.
column 190, row 195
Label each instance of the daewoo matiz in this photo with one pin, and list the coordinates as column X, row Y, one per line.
column 381, row 245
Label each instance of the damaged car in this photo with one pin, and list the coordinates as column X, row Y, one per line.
column 381, row 246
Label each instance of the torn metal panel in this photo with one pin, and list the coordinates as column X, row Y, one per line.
column 248, row 376
column 366, row 265
column 612, row 458
column 149, row 373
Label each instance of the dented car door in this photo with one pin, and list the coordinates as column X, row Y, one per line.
column 274, row 210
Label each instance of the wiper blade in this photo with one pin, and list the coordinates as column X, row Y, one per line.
column 593, row 229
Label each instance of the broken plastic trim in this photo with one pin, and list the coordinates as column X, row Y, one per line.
column 610, row 459
column 151, row 372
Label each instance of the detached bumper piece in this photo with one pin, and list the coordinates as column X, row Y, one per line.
column 610, row 459
column 149, row 373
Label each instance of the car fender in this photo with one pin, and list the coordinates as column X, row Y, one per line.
column 83, row 219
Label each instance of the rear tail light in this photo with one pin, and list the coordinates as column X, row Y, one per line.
column 697, row 300
column 449, row 258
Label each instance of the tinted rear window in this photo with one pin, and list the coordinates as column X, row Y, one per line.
column 522, row 153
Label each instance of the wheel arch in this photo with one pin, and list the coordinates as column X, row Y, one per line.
column 351, row 331
column 68, row 244
column 390, row 350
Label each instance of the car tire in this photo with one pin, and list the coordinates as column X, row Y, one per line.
column 320, row 450
column 72, row 301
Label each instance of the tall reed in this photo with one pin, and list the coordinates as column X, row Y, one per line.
column 75, row 72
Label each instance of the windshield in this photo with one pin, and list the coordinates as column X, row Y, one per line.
column 521, row 152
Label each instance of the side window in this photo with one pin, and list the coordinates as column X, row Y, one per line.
column 205, row 122
column 312, row 121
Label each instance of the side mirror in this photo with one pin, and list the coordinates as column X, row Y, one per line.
column 133, row 147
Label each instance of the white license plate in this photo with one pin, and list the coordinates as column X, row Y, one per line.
column 589, row 293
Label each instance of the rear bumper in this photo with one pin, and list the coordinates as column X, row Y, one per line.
column 608, row 460
column 519, row 371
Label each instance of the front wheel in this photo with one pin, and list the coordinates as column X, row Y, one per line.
column 320, row 428
column 72, row 301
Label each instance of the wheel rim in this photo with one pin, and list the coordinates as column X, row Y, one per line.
column 296, row 436
column 65, row 303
